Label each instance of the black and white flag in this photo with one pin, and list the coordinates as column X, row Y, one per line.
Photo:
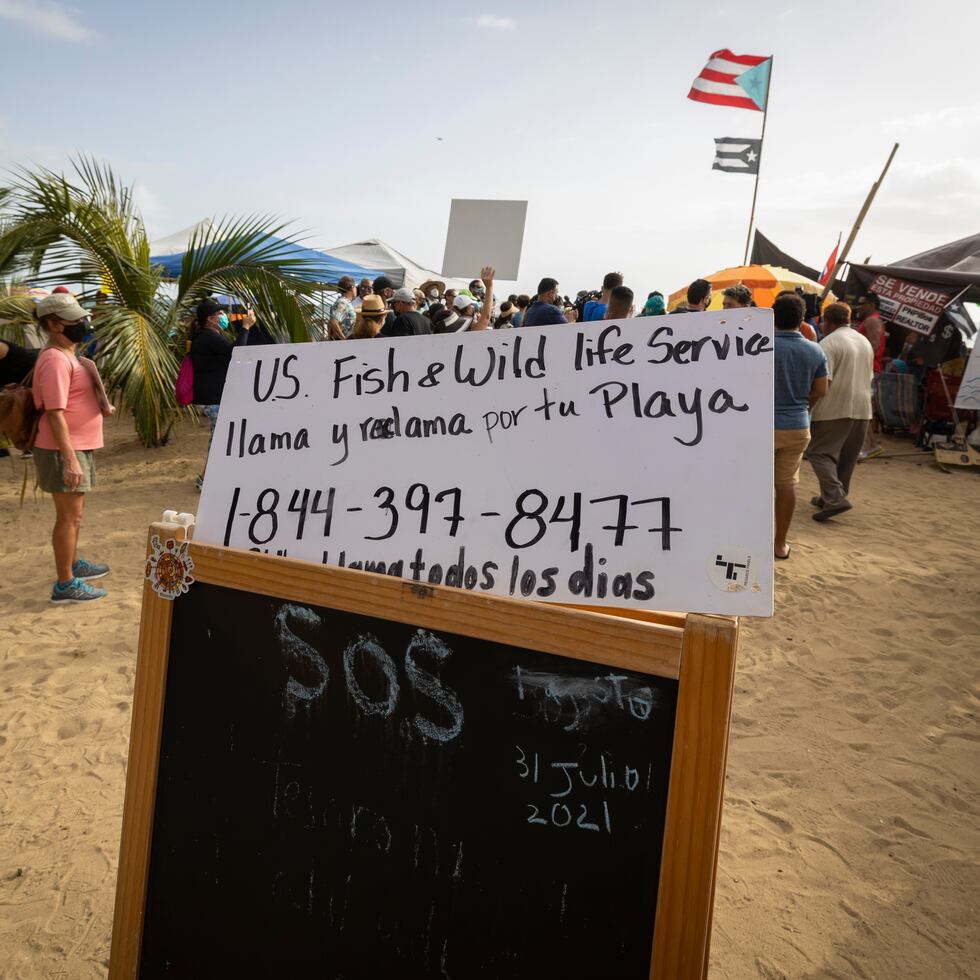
column 737, row 156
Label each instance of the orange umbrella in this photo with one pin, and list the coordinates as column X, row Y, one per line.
column 765, row 281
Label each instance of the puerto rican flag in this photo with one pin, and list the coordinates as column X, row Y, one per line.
column 829, row 265
column 740, row 80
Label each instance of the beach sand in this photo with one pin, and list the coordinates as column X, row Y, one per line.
column 850, row 845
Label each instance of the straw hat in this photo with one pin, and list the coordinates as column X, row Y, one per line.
column 431, row 284
column 373, row 306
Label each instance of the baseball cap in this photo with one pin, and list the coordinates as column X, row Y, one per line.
column 208, row 307
column 461, row 302
column 382, row 282
column 403, row 295
column 62, row 305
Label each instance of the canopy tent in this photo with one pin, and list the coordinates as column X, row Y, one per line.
column 765, row 281
column 178, row 242
column 956, row 264
column 955, row 267
column 764, row 252
column 400, row 269
column 169, row 252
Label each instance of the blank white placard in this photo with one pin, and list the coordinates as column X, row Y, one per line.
column 484, row 233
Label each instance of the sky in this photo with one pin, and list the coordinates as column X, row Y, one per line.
column 329, row 116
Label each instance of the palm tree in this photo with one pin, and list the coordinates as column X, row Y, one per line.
column 88, row 231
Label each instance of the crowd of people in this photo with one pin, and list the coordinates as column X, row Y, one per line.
column 379, row 309
column 825, row 365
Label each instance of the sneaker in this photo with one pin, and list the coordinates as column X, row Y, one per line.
column 199, row 483
column 828, row 512
column 75, row 591
column 89, row 569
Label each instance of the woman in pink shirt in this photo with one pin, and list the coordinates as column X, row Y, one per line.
column 69, row 393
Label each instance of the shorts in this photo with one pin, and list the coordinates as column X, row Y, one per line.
column 50, row 475
column 789, row 444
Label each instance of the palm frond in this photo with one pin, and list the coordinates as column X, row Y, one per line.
column 138, row 359
column 239, row 245
column 86, row 229
column 284, row 310
column 16, row 316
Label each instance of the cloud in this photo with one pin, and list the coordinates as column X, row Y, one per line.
column 952, row 117
column 154, row 212
column 493, row 23
column 46, row 18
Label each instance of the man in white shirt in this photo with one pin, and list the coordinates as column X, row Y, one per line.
column 839, row 421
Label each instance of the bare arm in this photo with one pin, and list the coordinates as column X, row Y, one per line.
column 482, row 322
column 71, row 471
column 818, row 390
column 874, row 329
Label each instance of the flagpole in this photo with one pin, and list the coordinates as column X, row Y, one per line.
column 755, row 192
column 862, row 214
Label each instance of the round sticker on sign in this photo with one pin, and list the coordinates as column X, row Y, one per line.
column 729, row 569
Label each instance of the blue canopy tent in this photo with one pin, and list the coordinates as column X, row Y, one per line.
column 323, row 268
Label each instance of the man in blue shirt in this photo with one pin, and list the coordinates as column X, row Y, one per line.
column 544, row 309
column 799, row 382
column 595, row 309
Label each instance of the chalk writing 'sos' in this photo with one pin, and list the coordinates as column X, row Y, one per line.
column 365, row 656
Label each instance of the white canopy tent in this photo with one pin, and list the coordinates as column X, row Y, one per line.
column 179, row 241
column 376, row 254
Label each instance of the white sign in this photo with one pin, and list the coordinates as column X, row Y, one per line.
column 484, row 233
column 623, row 463
column 968, row 397
column 909, row 304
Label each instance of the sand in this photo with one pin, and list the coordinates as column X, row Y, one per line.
column 851, row 838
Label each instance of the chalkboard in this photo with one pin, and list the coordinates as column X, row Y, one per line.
column 337, row 773
column 342, row 796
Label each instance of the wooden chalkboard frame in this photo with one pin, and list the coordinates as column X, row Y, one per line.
column 697, row 650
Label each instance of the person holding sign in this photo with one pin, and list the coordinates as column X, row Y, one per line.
column 799, row 382
column 462, row 315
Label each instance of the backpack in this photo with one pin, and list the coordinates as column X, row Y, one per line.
column 19, row 417
column 184, row 388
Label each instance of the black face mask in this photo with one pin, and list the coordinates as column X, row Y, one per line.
column 75, row 332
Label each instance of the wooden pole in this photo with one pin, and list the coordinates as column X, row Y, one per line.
column 862, row 214
column 755, row 192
